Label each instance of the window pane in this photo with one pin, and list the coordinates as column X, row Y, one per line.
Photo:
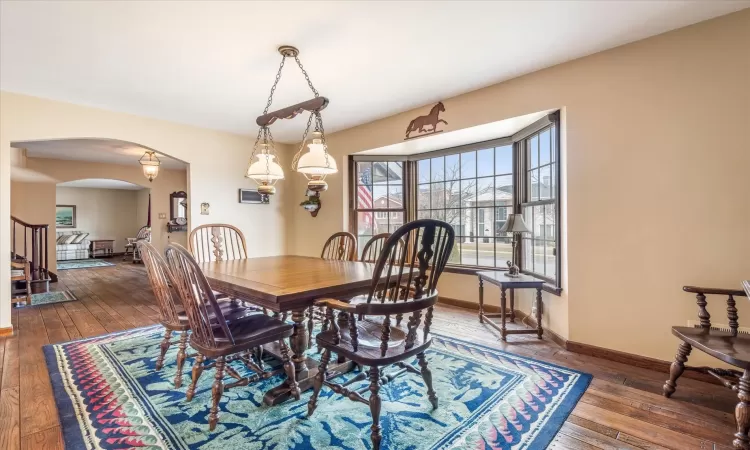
column 485, row 162
column 438, row 214
column 539, row 260
column 501, row 216
column 423, row 171
column 538, row 229
column 396, row 220
column 528, row 260
column 423, row 196
column 485, row 219
column 485, row 196
column 550, row 219
column 395, row 196
column 452, row 167
column 486, row 252
column 364, row 197
column 380, row 222
column 544, row 147
column 551, row 267
column 468, row 251
column 361, row 242
column 468, row 164
column 533, row 183
column 553, row 181
column 533, row 143
column 453, row 194
column 364, row 169
column 468, row 228
column 553, row 145
column 545, row 181
column 438, row 169
column 503, row 160
column 395, row 172
column 380, row 196
column 423, row 214
column 455, row 257
column 380, row 172
column 468, row 193
column 437, row 198
column 453, row 217
column 504, row 190
column 503, row 251
column 364, row 223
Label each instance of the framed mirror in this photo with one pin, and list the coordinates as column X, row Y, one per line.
column 178, row 207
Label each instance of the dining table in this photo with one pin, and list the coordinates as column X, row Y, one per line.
column 291, row 284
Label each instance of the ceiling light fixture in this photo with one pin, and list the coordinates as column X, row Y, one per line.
column 316, row 163
column 150, row 164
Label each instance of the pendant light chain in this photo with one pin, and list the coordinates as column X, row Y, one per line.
column 307, row 77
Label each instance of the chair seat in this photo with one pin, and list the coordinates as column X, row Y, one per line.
column 734, row 350
column 369, row 332
column 248, row 332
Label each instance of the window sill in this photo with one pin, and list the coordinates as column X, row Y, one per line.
column 469, row 270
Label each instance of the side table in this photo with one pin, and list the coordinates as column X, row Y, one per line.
column 104, row 245
column 504, row 282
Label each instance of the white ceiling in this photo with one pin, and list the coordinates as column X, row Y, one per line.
column 110, row 151
column 101, row 183
column 211, row 64
column 439, row 141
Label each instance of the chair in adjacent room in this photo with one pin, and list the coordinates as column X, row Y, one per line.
column 341, row 246
column 728, row 345
column 221, row 340
column 371, row 339
column 131, row 249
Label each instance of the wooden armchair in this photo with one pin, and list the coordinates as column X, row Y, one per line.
column 131, row 249
column 372, row 340
column 216, row 337
column 217, row 242
column 726, row 344
column 20, row 270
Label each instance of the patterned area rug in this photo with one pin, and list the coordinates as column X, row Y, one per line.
column 109, row 396
column 82, row 264
column 52, row 297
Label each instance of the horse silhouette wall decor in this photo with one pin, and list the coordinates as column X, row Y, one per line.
column 430, row 120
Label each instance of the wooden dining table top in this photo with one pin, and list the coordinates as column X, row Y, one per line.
column 283, row 283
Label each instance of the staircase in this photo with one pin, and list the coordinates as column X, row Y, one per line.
column 29, row 242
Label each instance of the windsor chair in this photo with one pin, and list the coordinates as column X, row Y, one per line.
column 214, row 337
column 341, row 246
column 217, row 242
column 131, row 249
column 172, row 314
column 371, row 339
column 373, row 247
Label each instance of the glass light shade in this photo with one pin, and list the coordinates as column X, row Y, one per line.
column 317, row 161
column 265, row 169
column 150, row 164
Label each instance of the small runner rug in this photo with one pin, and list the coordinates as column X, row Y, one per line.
column 52, row 297
column 82, row 264
column 109, row 396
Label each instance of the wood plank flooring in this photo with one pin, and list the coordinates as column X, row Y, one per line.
column 622, row 409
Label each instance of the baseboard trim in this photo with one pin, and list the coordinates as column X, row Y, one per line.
column 525, row 318
column 6, row 331
column 631, row 359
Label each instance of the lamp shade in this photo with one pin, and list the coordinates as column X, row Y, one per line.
column 265, row 169
column 317, row 161
column 514, row 224
column 150, row 164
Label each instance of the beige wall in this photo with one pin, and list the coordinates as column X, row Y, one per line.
column 656, row 151
column 103, row 213
column 218, row 160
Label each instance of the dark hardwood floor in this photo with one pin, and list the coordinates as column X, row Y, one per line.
column 622, row 409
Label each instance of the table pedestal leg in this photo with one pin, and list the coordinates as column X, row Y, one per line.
column 502, row 313
column 539, row 330
column 298, row 343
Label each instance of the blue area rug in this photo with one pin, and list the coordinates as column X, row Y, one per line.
column 82, row 264
column 109, row 396
column 46, row 298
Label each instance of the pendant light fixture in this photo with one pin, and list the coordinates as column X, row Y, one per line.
column 150, row 164
column 314, row 164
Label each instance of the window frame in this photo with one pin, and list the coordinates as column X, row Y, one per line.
column 520, row 166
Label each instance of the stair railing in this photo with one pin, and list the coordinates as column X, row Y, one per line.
column 30, row 242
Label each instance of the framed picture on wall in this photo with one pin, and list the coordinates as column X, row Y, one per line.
column 65, row 216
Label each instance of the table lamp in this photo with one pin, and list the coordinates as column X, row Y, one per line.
column 514, row 224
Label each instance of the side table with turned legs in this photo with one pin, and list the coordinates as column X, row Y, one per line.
column 504, row 282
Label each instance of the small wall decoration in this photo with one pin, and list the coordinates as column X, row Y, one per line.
column 312, row 204
column 204, row 208
column 253, row 196
column 430, row 120
column 65, row 216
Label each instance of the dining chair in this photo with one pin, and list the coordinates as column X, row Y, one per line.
column 223, row 341
column 131, row 249
column 217, row 242
column 371, row 340
column 172, row 314
column 341, row 246
column 373, row 247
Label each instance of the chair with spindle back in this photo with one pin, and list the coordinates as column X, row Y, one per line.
column 729, row 345
column 131, row 249
column 224, row 341
column 371, row 340
column 171, row 310
column 217, row 242
column 341, row 246
column 374, row 247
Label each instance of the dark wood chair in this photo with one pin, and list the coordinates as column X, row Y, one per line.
column 341, row 246
column 172, row 314
column 217, row 242
column 728, row 345
column 373, row 247
column 371, row 339
column 214, row 337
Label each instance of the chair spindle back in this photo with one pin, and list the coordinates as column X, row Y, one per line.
column 203, row 311
column 341, row 246
column 160, row 278
column 144, row 234
column 217, row 242
column 374, row 247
